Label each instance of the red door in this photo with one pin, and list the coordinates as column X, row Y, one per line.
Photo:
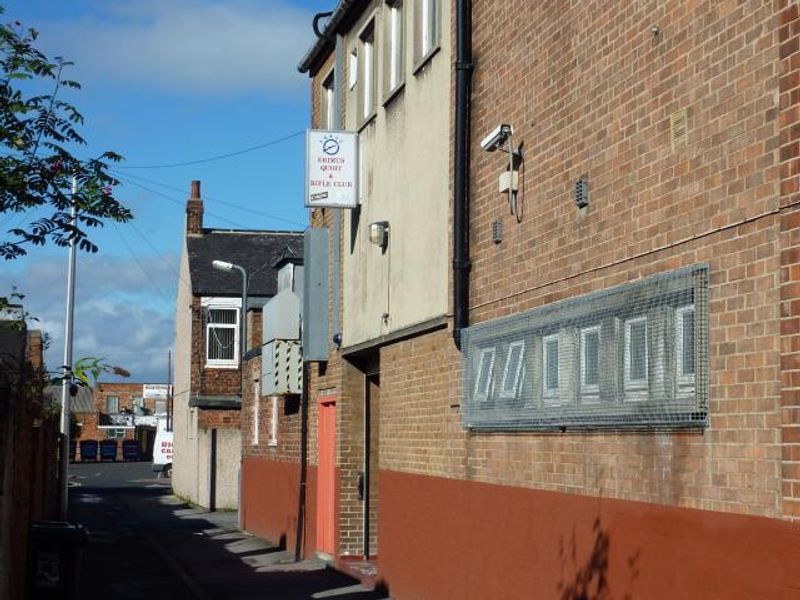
column 326, row 475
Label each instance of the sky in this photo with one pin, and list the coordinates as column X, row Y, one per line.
column 166, row 82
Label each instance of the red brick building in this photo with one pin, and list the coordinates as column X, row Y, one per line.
column 619, row 417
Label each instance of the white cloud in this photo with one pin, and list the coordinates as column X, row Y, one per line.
column 208, row 46
column 121, row 313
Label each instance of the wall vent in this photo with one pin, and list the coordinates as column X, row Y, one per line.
column 679, row 128
column 497, row 231
column 582, row 192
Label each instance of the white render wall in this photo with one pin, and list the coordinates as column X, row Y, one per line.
column 405, row 173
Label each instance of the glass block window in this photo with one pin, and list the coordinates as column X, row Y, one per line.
column 631, row 356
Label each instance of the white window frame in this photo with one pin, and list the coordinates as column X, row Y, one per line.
column 352, row 69
column 115, row 433
column 329, row 98
column 512, row 371
column 636, row 389
column 116, row 410
column 367, row 67
column 589, row 391
column 273, row 422
column 219, row 303
column 427, row 24
column 256, row 412
column 394, row 40
column 686, row 383
column 486, row 354
column 550, row 394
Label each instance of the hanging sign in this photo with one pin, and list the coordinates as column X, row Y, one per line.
column 331, row 169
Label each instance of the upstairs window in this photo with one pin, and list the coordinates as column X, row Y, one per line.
column 327, row 101
column 513, row 370
column 485, row 368
column 222, row 331
column 685, row 349
column 394, row 46
column 112, row 405
column 366, row 59
column 427, row 18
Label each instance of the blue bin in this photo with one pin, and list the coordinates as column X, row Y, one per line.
column 108, row 450
column 131, row 450
column 88, row 450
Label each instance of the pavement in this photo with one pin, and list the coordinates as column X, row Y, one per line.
column 144, row 542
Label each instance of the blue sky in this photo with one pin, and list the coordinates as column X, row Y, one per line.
column 168, row 82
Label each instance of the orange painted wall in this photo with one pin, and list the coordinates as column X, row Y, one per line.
column 510, row 542
column 269, row 501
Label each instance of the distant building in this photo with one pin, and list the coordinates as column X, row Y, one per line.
column 207, row 400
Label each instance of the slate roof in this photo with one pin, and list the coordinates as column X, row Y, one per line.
column 256, row 251
column 83, row 402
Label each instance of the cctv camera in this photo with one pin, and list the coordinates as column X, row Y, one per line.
column 497, row 138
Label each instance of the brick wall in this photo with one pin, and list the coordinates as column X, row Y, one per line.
column 789, row 87
column 204, row 381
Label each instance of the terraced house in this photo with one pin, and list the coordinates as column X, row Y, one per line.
column 560, row 354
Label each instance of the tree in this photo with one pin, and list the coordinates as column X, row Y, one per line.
column 36, row 163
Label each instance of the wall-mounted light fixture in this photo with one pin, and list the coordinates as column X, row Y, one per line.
column 500, row 139
column 379, row 233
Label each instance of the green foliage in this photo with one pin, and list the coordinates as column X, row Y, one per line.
column 36, row 164
column 87, row 370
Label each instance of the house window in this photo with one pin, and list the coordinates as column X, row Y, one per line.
column 636, row 357
column 684, row 348
column 590, row 362
column 115, row 433
column 426, row 30
column 512, row 370
column 550, row 366
column 484, row 380
column 273, row 421
column 366, row 55
column 394, row 46
column 256, row 413
column 138, row 404
column 112, row 405
column 222, row 331
column 328, row 98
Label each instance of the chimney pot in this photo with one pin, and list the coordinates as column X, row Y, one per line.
column 195, row 190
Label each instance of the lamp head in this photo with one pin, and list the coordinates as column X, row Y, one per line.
column 222, row 265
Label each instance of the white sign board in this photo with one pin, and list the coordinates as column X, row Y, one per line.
column 159, row 391
column 331, row 169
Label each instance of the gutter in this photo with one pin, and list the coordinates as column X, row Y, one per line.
column 344, row 14
column 461, row 158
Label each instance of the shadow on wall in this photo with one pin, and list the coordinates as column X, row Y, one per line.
column 591, row 578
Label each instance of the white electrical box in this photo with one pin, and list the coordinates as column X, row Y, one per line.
column 508, row 178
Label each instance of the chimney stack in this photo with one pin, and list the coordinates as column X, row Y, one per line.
column 194, row 211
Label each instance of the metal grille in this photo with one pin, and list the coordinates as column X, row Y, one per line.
column 631, row 356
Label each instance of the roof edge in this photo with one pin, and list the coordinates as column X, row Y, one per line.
column 344, row 13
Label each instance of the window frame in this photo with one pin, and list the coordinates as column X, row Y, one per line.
column 115, row 433
column 366, row 86
column 328, row 99
column 394, row 43
column 221, row 303
column 427, row 31
column 273, row 422
column 589, row 391
column 491, row 352
column 551, row 394
column 256, row 413
column 116, row 400
column 636, row 389
column 505, row 392
column 685, row 384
